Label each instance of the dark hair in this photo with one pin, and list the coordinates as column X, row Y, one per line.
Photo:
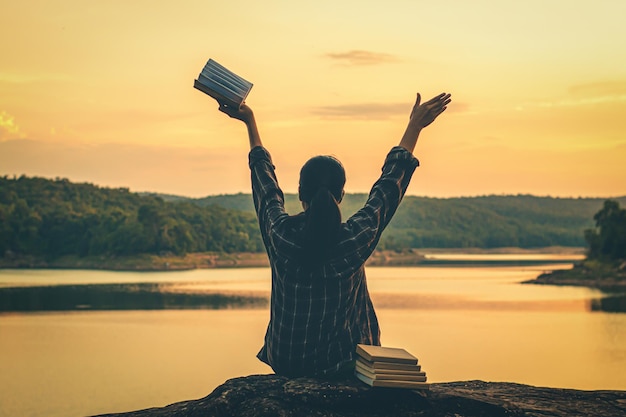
column 321, row 187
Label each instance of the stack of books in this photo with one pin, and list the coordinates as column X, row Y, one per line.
column 222, row 84
column 390, row 367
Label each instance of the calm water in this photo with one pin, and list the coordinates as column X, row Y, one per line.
column 462, row 323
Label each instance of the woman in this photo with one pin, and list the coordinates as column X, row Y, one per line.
column 320, row 306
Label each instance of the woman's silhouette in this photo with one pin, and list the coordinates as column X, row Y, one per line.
column 320, row 306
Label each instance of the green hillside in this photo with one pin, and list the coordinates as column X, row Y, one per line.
column 53, row 218
column 487, row 222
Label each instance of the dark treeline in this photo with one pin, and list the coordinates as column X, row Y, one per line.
column 485, row 222
column 605, row 265
column 607, row 242
column 53, row 218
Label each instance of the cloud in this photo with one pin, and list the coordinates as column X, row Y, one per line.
column 376, row 111
column 579, row 95
column 8, row 128
column 602, row 88
column 131, row 117
column 368, row 111
column 25, row 78
column 590, row 101
column 359, row 57
column 458, row 107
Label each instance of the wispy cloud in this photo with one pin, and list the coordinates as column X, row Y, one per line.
column 602, row 88
column 569, row 102
column 589, row 94
column 368, row 111
column 24, row 78
column 131, row 117
column 360, row 57
column 375, row 111
column 459, row 107
column 8, row 128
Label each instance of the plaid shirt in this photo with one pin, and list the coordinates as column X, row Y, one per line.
column 318, row 314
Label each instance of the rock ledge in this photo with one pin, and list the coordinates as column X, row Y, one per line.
column 272, row 395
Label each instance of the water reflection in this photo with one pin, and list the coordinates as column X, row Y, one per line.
column 432, row 302
column 162, row 296
column 142, row 296
column 610, row 304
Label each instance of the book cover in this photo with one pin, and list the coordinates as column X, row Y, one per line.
column 388, row 366
column 222, row 84
column 392, row 383
column 385, row 354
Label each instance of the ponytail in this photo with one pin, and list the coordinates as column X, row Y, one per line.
column 323, row 221
column 321, row 187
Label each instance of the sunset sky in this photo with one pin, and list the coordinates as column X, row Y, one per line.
column 101, row 92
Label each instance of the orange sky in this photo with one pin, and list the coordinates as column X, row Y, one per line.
column 102, row 92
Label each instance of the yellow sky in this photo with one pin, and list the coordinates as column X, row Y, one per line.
column 101, row 91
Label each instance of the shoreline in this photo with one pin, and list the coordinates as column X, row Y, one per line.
column 601, row 277
column 210, row 260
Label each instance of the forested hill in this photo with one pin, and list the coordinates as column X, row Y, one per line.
column 52, row 218
column 491, row 221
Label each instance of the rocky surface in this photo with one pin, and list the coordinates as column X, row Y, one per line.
column 272, row 395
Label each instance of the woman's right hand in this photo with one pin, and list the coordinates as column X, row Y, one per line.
column 425, row 113
column 243, row 113
column 422, row 115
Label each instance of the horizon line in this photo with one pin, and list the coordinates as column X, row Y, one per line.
column 478, row 195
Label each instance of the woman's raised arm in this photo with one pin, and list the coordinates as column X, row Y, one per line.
column 245, row 114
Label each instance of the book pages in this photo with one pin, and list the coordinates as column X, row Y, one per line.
column 380, row 366
column 222, row 84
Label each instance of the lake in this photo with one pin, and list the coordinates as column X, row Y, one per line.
column 461, row 322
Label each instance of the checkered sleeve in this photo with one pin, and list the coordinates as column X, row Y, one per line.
column 269, row 201
column 385, row 196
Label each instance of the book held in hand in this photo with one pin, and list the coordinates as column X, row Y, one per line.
column 222, row 84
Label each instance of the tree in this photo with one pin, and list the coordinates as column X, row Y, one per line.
column 607, row 242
